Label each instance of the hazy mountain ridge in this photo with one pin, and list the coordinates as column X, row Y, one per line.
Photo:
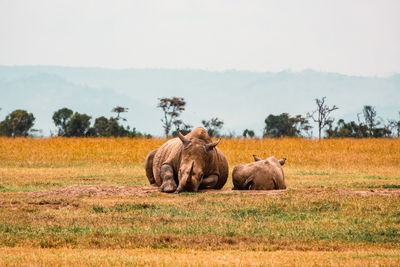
column 242, row 99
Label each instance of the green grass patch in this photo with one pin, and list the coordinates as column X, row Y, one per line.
column 387, row 186
column 317, row 173
column 297, row 219
column 374, row 177
column 5, row 189
column 121, row 208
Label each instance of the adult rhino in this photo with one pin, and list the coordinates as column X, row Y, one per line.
column 187, row 163
column 259, row 175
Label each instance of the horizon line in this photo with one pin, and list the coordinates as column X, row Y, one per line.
column 287, row 70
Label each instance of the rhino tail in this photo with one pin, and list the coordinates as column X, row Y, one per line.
column 276, row 187
column 149, row 167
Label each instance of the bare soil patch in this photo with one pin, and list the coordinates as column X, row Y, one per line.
column 132, row 190
column 97, row 191
column 381, row 192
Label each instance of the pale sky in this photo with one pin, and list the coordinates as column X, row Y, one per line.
column 350, row 37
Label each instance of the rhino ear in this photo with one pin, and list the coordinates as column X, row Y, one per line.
column 211, row 146
column 282, row 161
column 184, row 140
column 256, row 158
column 249, row 183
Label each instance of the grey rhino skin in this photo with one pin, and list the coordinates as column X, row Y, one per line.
column 259, row 175
column 187, row 163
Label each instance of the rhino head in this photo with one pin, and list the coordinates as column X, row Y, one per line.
column 194, row 160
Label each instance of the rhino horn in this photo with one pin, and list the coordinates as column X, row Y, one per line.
column 191, row 169
column 189, row 180
column 184, row 140
column 209, row 147
column 282, row 161
column 256, row 158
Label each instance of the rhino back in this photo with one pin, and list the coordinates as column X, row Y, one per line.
column 240, row 174
column 168, row 153
column 199, row 133
column 274, row 170
column 277, row 167
column 245, row 175
column 264, row 175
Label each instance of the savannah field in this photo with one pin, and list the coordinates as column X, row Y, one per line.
column 86, row 201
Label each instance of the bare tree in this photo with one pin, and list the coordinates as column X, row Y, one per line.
column 388, row 128
column 119, row 110
column 321, row 114
column 172, row 108
column 394, row 126
column 370, row 119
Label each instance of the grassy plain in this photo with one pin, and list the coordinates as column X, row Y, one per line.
column 341, row 206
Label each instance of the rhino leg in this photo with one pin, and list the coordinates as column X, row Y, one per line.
column 167, row 177
column 209, row 182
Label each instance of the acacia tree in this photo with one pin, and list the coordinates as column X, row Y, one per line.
column 321, row 114
column 119, row 110
column 172, row 108
column 213, row 126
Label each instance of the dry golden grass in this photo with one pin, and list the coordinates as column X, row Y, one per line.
column 343, row 196
column 168, row 257
column 64, row 151
column 52, row 162
column 338, row 154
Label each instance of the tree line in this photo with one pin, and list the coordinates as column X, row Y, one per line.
column 285, row 125
column 70, row 124
column 75, row 124
column 368, row 124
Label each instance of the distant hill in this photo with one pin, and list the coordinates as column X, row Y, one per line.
column 242, row 99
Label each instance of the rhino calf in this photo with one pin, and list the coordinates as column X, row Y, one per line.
column 259, row 175
column 187, row 163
